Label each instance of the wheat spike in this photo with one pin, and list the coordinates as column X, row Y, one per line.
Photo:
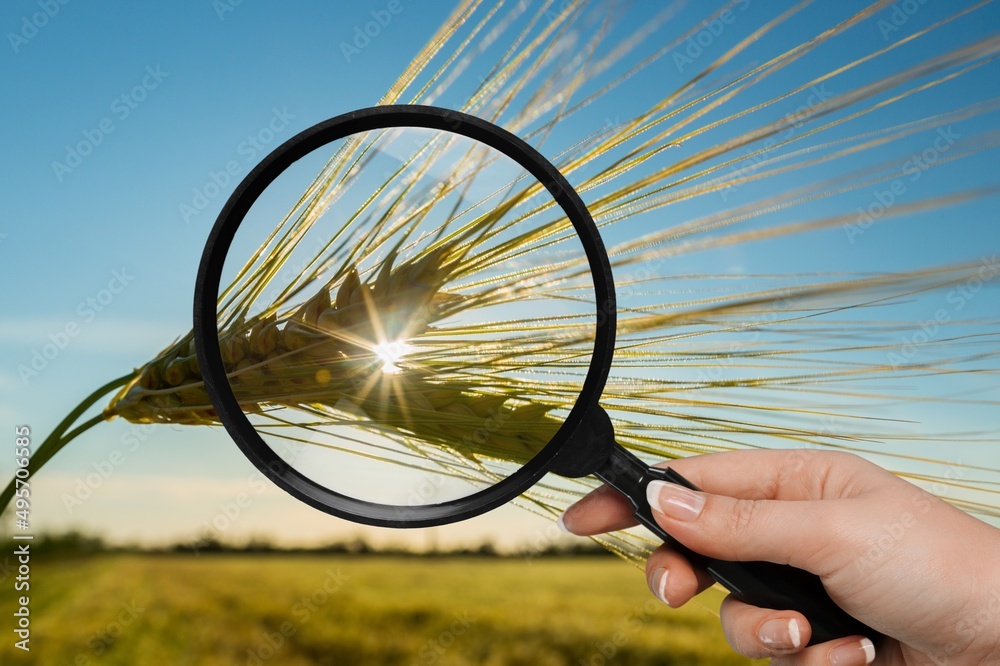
column 705, row 360
column 325, row 355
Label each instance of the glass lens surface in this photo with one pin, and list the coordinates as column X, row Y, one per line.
column 407, row 316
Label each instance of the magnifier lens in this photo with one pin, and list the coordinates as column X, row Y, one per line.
column 411, row 325
column 411, row 336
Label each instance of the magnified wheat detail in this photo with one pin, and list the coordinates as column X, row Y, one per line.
column 369, row 334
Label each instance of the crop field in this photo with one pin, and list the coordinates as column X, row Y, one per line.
column 177, row 610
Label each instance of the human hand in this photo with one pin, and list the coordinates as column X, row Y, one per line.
column 924, row 573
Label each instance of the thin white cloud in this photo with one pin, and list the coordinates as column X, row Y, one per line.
column 104, row 335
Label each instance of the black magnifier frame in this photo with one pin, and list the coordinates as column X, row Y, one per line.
column 584, row 444
column 228, row 223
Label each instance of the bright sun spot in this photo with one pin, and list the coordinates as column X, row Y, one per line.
column 390, row 354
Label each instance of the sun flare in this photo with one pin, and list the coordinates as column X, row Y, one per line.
column 391, row 353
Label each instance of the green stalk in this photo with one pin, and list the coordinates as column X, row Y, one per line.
column 58, row 438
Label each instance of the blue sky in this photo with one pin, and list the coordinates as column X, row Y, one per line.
column 170, row 96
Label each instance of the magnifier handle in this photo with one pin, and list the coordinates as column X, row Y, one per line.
column 762, row 584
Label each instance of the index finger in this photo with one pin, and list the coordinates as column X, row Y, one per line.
column 788, row 474
column 778, row 474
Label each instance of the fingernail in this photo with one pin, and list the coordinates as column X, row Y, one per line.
column 561, row 524
column 781, row 634
column 853, row 654
column 660, row 585
column 673, row 500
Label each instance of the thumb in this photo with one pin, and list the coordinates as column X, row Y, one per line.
column 740, row 530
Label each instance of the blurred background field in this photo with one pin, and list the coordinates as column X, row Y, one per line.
column 296, row 609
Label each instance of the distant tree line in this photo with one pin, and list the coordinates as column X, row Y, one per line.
column 75, row 544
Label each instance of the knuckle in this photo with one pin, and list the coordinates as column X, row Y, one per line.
column 743, row 516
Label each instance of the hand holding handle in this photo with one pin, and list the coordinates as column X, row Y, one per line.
column 762, row 584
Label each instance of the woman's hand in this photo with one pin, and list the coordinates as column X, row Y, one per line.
column 902, row 561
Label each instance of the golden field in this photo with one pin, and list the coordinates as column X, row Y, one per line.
column 186, row 610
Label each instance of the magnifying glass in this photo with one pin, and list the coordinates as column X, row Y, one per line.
column 423, row 331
